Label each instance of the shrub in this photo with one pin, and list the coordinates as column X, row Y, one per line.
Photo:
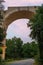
column 0, row 51
column 2, row 62
column 37, row 59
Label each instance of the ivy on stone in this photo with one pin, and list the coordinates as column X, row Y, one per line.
column 2, row 35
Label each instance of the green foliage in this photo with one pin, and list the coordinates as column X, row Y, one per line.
column 30, row 50
column 2, row 62
column 17, row 50
column 34, row 48
column 14, row 48
column 0, row 50
column 1, row 17
column 2, row 35
column 36, row 25
column 27, row 50
column 37, row 57
column 10, row 48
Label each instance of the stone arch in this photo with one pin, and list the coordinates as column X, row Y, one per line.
column 17, row 15
column 14, row 16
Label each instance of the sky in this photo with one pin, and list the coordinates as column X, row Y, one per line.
column 20, row 30
column 23, row 2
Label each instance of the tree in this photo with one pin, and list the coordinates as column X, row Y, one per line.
column 36, row 26
column 14, row 48
column 18, row 47
column 34, row 48
column 30, row 50
column 10, row 51
column 27, row 50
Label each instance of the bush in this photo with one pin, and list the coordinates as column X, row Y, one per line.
column 0, row 51
column 37, row 60
column 2, row 62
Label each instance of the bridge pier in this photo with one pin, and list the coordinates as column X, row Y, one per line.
column 3, row 54
column 3, row 47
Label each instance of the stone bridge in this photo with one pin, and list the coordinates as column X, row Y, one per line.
column 14, row 13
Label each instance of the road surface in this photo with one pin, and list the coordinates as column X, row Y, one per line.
column 23, row 62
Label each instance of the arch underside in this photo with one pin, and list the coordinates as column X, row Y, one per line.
column 18, row 15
